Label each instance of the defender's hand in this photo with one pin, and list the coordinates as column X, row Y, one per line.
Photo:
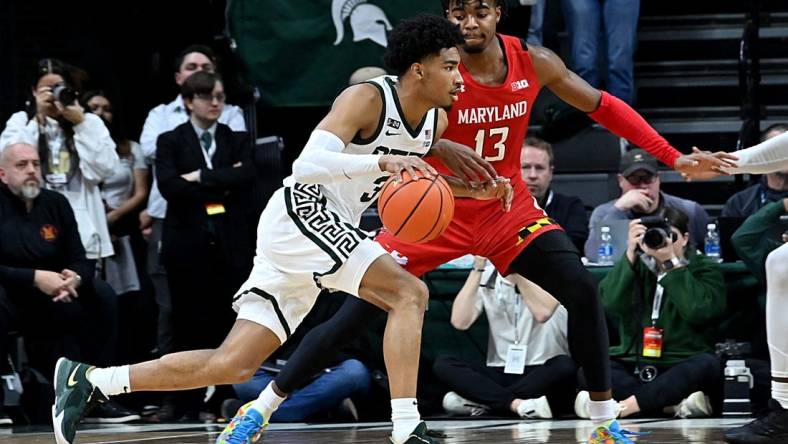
column 500, row 189
column 464, row 162
column 704, row 164
column 395, row 164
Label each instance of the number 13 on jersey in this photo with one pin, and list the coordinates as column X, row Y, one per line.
column 498, row 138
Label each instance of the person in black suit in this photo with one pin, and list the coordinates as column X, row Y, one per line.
column 537, row 168
column 205, row 172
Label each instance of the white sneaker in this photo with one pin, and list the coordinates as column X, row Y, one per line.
column 696, row 405
column 537, row 408
column 455, row 404
column 581, row 405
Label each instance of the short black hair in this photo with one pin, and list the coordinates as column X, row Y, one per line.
column 201, row 82
column 202, row 49
column 414, row 39
column 781, row 127
column 499, row 3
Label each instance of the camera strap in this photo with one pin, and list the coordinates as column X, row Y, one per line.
column 657, row 306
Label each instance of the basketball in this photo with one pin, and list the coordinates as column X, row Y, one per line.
column 416, row 209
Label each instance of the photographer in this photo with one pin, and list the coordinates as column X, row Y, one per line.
column 75, row 148
column 666, row 299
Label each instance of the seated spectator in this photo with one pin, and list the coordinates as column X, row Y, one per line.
column 527, row 353
column 345, row 378
column 770, row 188
column 76, row 149
column 641, row 196
column 47, row 290
column 672, row 296
column 537, row 170
column 123, row 193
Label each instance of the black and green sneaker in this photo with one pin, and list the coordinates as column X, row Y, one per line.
column 419, row 435
column 74, row 397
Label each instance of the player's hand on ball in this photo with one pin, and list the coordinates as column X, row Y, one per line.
column 395, row 164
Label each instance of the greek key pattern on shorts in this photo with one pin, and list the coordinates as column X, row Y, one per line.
column 338, row 239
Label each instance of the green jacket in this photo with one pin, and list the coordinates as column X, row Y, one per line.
column 758, row 236
column 693, row 298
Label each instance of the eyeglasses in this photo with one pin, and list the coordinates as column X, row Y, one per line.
column 637, row 179
column 220, row 98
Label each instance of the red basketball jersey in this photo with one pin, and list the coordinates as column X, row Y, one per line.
column 493, row 119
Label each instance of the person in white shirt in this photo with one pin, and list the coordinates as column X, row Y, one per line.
column 163, row 118
column 527, row 352
column 76, row 150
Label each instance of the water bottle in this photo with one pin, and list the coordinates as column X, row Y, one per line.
column 605, row 246
column 712, row 243
column 738, row 382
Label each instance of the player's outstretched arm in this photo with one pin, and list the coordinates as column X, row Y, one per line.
column 766, row 157
column 322, row 160
column 615, row 115
column 462, row 160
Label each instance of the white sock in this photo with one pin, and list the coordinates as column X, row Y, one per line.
column 268, row 402
column 602, row 411
column 111, row 380
column 776, row 326
column 405, row 417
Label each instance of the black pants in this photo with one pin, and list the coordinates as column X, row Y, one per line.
column 158, row 277
column 552, row 262
column 83, row 329
column 494, row 388
column 673, row 383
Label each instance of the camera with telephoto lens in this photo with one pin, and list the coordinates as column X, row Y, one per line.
column 657, row 232
column 64, row 94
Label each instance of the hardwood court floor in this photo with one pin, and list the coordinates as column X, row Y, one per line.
column 567, row 431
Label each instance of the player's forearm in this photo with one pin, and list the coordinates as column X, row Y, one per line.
column 766, row 157
column 322, row 162
column 623, row 121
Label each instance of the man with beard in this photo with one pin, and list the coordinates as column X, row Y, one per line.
column 641, row 196
column 46, row 288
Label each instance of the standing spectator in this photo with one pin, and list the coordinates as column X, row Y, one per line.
column 667, row 300
column 770, row 188
column 615, row 21
column 76, row 150
column 123, row 193
column 537, row 169
column 205, row 172
column 641, row 196
column 161, row 119
column 535, row 324
column 47, row 289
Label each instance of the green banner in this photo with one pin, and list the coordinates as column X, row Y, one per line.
column 302, row 52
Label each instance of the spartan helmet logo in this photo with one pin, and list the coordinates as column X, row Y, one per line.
column 368, row 21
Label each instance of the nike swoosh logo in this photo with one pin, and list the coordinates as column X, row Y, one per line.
column 388, row 133
column 71, row 381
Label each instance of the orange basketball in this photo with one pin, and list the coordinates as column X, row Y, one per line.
column 416, row 209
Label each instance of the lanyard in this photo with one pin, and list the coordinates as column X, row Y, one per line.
column 517, row 303
column 657, row 301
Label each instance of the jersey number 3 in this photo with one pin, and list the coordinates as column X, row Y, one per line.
column 499, row 146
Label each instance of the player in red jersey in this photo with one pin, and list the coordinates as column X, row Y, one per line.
column 502, row 78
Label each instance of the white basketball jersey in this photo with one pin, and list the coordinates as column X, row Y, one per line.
column 392, row 136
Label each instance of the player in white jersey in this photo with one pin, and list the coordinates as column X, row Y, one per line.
column 767, row 157
column 308, row 240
